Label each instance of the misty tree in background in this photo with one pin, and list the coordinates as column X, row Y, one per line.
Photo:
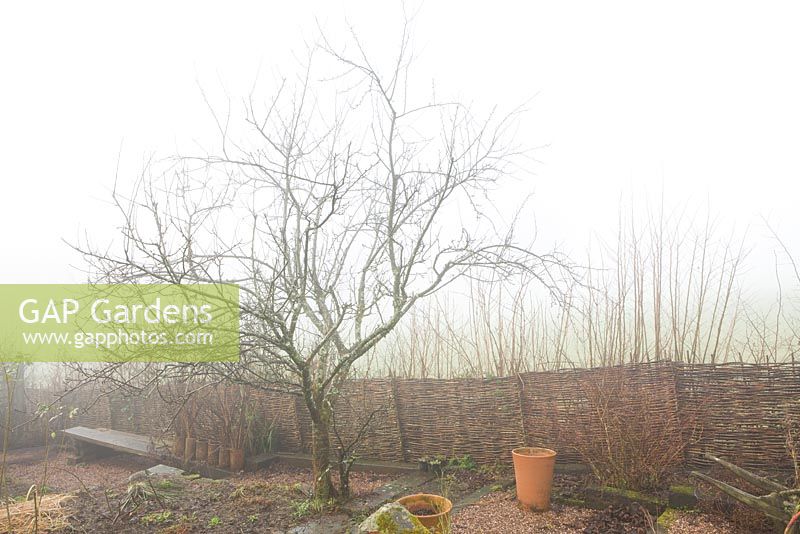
column 337, row 205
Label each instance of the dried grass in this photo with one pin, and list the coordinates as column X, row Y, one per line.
column 46, row 513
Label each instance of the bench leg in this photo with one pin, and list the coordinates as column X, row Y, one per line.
column 85, row 452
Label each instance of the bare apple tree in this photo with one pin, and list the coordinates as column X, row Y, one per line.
column 337, row 206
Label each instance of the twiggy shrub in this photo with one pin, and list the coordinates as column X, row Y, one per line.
column 630, row 435
column 791, row 424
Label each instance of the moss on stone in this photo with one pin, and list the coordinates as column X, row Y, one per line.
column 632, row 495
column 668, row 517
column 682, row 489
column 387, row 525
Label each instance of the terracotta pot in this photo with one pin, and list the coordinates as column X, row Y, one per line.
column 188, row 450
column 213, row 453
column 533, row 471
column 201, row 450
column 237, row 459
column 178, row 446
column 223, row 460
column 437, row 522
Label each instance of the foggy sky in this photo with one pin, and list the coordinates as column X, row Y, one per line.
column 623, row 99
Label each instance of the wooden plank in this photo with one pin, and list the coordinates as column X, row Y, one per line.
column 114, row 439
column 94, row 440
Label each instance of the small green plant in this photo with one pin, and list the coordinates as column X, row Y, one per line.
column 165, row 484
column 300, row 509
column 183, row 525
column 435, row 464
column 157, row 517
column 446, row 481
column 214, row 522
column 306, row 507
column 462, row 462
column 253, row 518
column 441, row 463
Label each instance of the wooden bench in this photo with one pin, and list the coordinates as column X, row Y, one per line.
column 95, row 443
column 91, row 443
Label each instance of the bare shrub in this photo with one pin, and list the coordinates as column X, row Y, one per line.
column 627, row 431
column 791, row 424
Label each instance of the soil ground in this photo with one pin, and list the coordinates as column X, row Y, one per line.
column 49, row 468
column 270, row 501
column 277, row 499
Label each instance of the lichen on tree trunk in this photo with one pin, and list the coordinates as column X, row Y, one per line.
column 321, row 461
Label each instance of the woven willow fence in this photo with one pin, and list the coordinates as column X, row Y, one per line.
column 736, row 411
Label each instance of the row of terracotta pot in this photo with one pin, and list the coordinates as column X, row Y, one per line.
column 209, row 452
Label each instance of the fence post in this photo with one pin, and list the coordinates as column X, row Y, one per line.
column 521, row 396
column 400, row 425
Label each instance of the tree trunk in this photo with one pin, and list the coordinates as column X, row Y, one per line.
column 344, row 478
column 321, row 459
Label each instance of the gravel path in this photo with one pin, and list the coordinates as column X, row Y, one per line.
column 498, row 513
column 696, row 523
